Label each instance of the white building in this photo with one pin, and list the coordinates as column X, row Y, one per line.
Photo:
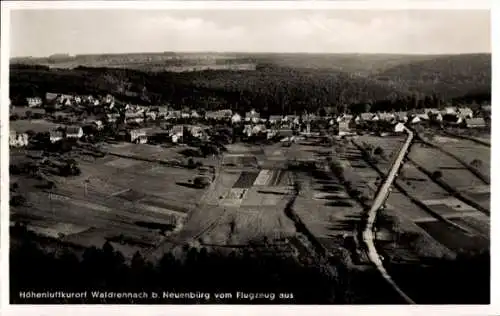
column 34, row 102
column 399, row 127
column 74, row 132
column 18, row 139
column 136, row 134
column 55, row 136
column 252, row 116
column 236, row 118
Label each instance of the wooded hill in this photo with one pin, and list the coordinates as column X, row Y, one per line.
column 278, row 85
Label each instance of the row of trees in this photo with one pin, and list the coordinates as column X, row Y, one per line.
column 201, row 270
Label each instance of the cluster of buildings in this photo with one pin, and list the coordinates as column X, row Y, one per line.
column 57, row 100
column 252, row 123
column 18, row 139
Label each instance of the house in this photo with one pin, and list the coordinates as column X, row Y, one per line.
column 141, row 139
column 387, row 117
column 274, row 119
column 34, row 102
column 173, row 115
column 185, row 115
column 259, row 128
column 452, row 118
column 477, row 122
column 435, row 117
column 401, row 116
column 247, row 130
column 431, row 111
column 151, row 115
column 98, row 124
column 162, row 112
column 344, row 118
column 344, row 128
column 291, row 118
column 195, row 114
column 109, row 99
column 196, row 131
column 55, row 136
column 136, row 134
column 414, row 119
column 177, row 133
column 219, row 115
column 236, row 118
column 252, row 116
column 285, row 133
column 398, row 127
column 18, row 139
column 112, row 117
column 364, row 117
column 51, row 97
column 308, row 117
column 465, row 113
column 73, row 132
column 449, row 110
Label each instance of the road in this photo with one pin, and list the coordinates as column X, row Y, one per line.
column 368, row 235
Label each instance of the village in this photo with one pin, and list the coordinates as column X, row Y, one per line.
column 151, row 180
column 75, row 117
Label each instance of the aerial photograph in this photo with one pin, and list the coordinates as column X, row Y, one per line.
column 249, row 156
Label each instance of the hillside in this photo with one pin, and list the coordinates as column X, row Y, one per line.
column 269, row 89
column 280, row 83
column 448, row 76
column 361, row 64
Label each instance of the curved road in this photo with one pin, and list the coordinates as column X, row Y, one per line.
column 368, row 236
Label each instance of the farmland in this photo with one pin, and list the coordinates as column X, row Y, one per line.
column 112, row 198
column 34, row 125
column 136, row 200
column 422, row 221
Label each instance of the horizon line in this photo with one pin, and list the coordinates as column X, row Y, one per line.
column 249, row 53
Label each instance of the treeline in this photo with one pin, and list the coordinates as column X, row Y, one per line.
column 32, row 268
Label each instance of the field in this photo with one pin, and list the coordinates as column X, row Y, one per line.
column 390, row 147
column 434, row 160
column 37, row 126
column 323, row 204
column 468, row 151
column 444, row 210
column 236, row 209
column 133, row 202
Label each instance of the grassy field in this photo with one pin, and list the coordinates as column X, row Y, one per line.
column 468, row 151
column 113, row 198
column 389, row 145
column 37, row 126
column 434, row 160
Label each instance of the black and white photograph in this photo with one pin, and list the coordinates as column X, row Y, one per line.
column 249, row 156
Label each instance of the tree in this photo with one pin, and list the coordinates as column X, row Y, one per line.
column 30, row 133
column 29, row 114
column 378, row 151
column 201, row 182
column 476, row 163
column 437, row 174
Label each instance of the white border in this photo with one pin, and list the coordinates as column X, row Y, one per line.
column 268, row 5
column 240, row 310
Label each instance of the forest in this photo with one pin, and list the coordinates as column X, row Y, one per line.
column 277, row 86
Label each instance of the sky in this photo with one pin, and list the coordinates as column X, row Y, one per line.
column 45, row 32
